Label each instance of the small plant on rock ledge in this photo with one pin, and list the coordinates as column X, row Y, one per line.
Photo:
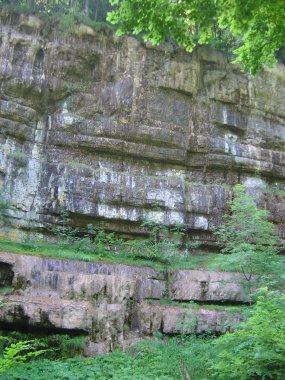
column 95, row 240
column 3, row 208
column 162, row 244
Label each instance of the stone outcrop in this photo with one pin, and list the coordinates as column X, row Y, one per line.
column 112, row 304
column 205, row 286
column 172, row 320
column 115, row 131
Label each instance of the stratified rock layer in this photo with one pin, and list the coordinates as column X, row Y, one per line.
column 115, row 131
column 114, row 304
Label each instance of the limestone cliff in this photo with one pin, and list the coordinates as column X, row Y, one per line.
column 114, row 304
column 109, row 129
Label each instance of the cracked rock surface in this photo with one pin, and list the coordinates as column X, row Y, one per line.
column 110, row 130
column 113, row 304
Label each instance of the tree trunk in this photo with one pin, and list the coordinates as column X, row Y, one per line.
column 31, row 3
column 186, row 375
column 96, row 11
column 86, row 7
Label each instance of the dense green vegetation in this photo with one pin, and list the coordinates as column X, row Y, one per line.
column 50, row 347
column 17, row 353
column 247, row 235
column 253, row 30
column 257, row 349
column 251, row 242
column 147, row 361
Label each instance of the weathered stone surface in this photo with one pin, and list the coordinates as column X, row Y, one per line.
column 109, row 128
column 177, row 320
column 95, row 298
column 82, row 280
column 107, row 302
column 150, row 288
column 149, row 319
column 46, row 312
column 200, row 285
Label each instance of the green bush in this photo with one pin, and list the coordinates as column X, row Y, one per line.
column 249, row 239
column 65, row 13
column 257, row 350
column 18, row 353
column 55, row 346
column 163, row 243
column 95, row 240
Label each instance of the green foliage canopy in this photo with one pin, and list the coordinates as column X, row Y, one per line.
column 257, row 26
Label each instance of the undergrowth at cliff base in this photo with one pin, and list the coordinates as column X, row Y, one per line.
column 53, row 346
column 57, row 251
column 214, row 262
column 148, row 360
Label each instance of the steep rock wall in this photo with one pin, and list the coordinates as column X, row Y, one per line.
column 115, row 131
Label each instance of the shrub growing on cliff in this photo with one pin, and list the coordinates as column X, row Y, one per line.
column 94, row 240
column 3, row 208
column 162, row 244
column 66, row 12
column 248, row 237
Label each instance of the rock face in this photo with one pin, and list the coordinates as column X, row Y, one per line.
column 115, row 131
column 205, row 286
column 113, row 304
